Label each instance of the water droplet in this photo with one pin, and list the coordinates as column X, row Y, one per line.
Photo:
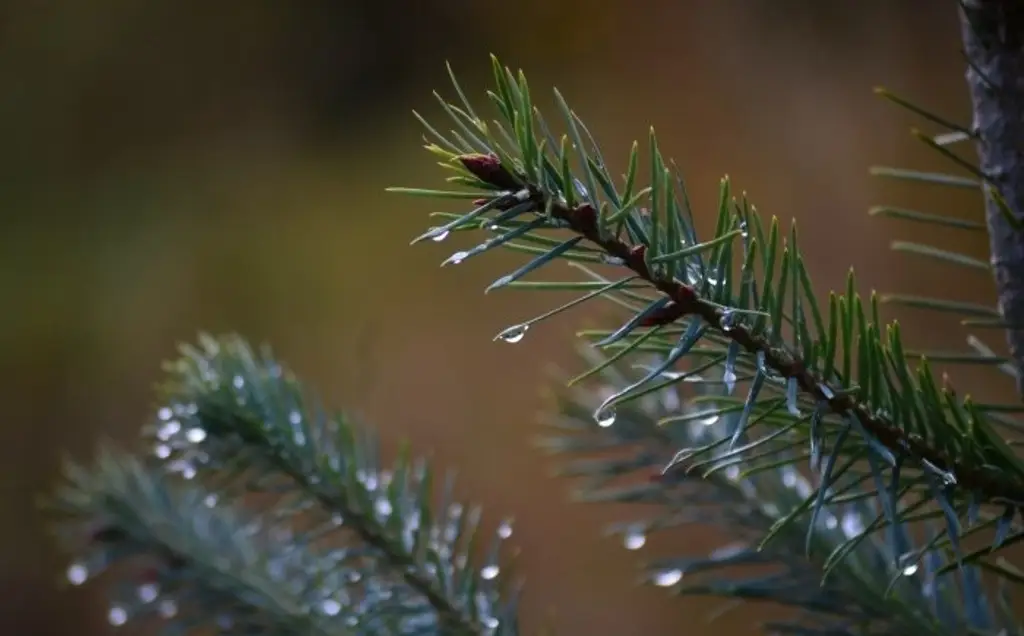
column 337, row 519
column 789, row 476
column 907, row 564
column 708, row 417
column 187, row 470
column 168, row 608
column 455, row 258
column 668, row 578
column 732, row 472
column 605, row 416
column 831, row 522
column 729, row 379
column 490, row 572
column 505, row 529
column 300, row 438
column 513, row 334
column 744, row 232
column 210, row 501
column 437, row 238
column 148, row 592
column 611, row 260
column 77, row 573
column 238, row 382
column 295, row 418
column 165, row 413
column 195, row 435
column 728, row 320
column 634, row 539
column 168, row 430
column 162, row 451
column 117, row 616
column 330, row 607
column 491, row 622
column 853, row 525
column 382, row 507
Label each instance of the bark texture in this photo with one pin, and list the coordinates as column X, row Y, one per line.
column 993, row 39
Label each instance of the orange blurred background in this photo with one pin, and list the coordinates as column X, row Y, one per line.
column 173, row 166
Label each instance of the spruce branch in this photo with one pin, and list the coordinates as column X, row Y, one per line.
column 370, row 549
column 750, row 311
column 863, row 592
column 686, row 301
column 993, row 38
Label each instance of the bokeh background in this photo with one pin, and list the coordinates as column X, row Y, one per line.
column 171, row 166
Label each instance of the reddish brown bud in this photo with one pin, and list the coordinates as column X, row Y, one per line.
column 488, row 169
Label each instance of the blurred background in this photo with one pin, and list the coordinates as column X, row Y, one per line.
column 171, row 166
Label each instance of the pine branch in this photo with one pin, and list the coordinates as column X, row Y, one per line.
column 200, row 563
column 686, row 301
column 864, row 592
column 368, row 549
column 751, row 312
column 993, row 37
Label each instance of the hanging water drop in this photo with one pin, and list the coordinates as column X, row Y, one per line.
column 729, row 379
column 330, row 607
column 490, row 572
column 77, row 573
column 168, row 430
column 437, row 238
column 707, row 417
column 513, row 334
column 148, row 592
column 238, row 382
column 505, row 529
column 634, row 539
column 382, row 507
column 162, row 451
column 210, row 500
column 300, row 438
column 668, row 578
column 611, row 260
column 168, row 608
column 117, row 616
column 728, row 320
column 853, row 525
column 605, row 416
column 295, row 418
column 195, row 435
column 455, row 258
column 907, row 564
column 491, row 622
column 165, row 413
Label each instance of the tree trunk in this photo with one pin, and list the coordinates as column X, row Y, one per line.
column 993, row 38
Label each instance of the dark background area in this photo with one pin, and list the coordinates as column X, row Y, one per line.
column 171, row 166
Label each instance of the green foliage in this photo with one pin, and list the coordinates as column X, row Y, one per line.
column 825, row 380
column 260, row 514
column 851, row 483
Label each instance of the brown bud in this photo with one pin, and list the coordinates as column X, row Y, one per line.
column 488, row 169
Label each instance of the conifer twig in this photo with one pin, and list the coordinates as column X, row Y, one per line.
column 686, row 301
